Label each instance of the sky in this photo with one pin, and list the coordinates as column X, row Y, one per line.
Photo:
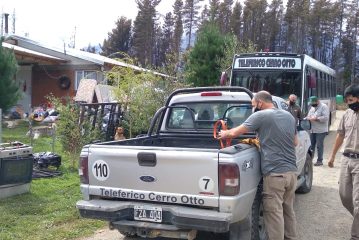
column 53, row 22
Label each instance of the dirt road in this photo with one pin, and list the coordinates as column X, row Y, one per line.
column 320, row 214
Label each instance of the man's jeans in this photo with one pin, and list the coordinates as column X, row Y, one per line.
column 317, row 139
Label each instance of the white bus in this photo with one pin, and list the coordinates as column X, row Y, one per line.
column 282, row 74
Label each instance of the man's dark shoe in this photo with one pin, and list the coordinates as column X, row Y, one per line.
column 318, row 164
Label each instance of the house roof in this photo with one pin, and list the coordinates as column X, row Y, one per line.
column 28, row 56
column 87, row 56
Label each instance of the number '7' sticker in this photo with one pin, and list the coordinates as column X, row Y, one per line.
column 206, row 184
column 100, row 170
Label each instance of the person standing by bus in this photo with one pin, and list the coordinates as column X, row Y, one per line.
column 294, row 108
column 348, row 132
column 318, row 115
column 277, row 135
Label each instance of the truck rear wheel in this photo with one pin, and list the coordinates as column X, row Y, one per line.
column 253, row 226
column 258, row 231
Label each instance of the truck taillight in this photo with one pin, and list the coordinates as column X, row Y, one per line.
column 228, row 179
column 83, row 170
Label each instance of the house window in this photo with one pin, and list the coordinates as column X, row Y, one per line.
column 84, row 75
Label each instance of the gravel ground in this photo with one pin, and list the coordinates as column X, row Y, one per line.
column 320, row 214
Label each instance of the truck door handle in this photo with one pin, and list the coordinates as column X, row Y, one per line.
column 146, row 159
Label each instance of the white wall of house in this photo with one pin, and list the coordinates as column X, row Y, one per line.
column 23, row 76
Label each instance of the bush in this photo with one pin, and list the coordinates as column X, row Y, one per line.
column 72, row 133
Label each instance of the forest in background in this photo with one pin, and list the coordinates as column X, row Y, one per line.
column 326, row 30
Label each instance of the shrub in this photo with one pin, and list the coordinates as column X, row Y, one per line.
column 72, row 133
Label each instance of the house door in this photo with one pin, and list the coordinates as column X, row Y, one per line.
column 23, row 77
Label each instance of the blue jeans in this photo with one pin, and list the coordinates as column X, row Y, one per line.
column 318, row 139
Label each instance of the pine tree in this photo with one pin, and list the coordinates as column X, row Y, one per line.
column 351, row 36
column 319, row 24
column 202, row 68
column 213, row 10
column 236, row 20
column 119, row 39
column 204, row 16
column 254, row 13
column 289, row 24
column 143, row 41
column 178, row 29
column 9, row 88
column 166, row 40
column 191, row 18
column 225, row 13
column 272, row 25
column 90, row 48
column 158, row 55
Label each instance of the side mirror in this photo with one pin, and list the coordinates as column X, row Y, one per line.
column 304, row 125
column 223, row 80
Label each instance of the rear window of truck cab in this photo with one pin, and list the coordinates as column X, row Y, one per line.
column 204, row 115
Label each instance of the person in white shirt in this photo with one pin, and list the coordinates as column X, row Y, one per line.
column 318, row 115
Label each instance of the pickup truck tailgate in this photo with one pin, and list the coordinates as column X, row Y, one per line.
column 185, row 176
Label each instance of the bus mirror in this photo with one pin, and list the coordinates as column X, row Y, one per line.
column 311, row 81
column 224, row 79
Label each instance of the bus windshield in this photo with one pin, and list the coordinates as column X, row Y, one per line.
column 280, row 83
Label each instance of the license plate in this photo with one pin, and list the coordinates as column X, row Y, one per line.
column 147, row 213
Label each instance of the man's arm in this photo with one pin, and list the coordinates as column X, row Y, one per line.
column 324, row 114
column 233, row 133
column 338, row 142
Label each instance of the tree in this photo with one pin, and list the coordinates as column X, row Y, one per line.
column 141, row 94
column 213, row 10
column 178, row 29
column 254, row 13
column 9, row 88
column 119, row 39
column 202, row 68
column 236, row 20
column 191, row 18
column 233, row 46
column 352, row 35
column 272, row 26
column 225, row 13
column 320, row 23
column 158, row 54
column 89, row 48
column 144, row 32
column 167, row 38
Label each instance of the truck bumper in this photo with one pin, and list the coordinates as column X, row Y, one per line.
column 179, row 217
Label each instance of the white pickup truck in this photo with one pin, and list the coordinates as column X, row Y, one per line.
column 177, row 180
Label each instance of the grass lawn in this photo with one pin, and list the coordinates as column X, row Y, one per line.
column 48, row 211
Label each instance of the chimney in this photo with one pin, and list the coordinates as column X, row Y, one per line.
column 6, row 23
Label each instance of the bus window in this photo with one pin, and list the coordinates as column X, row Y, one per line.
column 329, row 86
column 320, row 85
